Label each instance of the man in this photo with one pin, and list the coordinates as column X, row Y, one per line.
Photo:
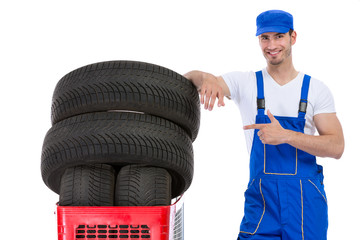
column 285, row 199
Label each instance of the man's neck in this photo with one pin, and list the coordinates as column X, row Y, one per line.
column 282, row 73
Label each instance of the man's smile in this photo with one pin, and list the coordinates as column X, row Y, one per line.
column 274, row 53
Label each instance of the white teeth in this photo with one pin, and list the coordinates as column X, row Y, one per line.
column 273, row 53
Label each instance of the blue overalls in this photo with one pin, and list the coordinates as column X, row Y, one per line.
column 285, row 198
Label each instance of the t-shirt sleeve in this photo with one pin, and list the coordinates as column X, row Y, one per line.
column 236, row 81
column 232, row 83
column 324, row 100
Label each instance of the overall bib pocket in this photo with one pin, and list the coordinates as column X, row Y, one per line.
column 285, row 162
column 279, row 159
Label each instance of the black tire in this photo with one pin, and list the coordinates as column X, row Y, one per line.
column 117, row 138
column 143, row 186
column 88, row 185
column 128, row 85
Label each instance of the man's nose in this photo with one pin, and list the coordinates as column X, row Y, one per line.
column 271, row 44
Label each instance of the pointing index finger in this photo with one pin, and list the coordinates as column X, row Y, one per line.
column 254, row 126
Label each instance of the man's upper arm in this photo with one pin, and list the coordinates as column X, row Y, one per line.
column 328, row 124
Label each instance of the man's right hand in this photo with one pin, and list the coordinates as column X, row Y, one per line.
column 210, row 87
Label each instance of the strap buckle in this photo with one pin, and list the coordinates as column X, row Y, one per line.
column 261, row 103
column 303, row 105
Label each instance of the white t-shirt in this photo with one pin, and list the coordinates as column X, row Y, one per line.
column 280, row 100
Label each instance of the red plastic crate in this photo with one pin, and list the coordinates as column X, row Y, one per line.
column 109, row 223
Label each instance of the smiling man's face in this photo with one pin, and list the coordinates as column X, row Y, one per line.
column 276, row 47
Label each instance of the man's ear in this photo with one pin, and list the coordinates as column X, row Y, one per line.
column 293, row 37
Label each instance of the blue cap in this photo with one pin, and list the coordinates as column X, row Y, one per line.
column 274, row 21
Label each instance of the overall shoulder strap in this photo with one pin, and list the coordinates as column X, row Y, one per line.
column 260, row 93
column 304, row 96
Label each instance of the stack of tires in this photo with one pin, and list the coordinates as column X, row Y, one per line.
column 121, row 135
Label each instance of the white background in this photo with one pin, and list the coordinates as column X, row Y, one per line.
column 43, row 40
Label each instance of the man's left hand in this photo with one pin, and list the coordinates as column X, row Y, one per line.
column 270, row 133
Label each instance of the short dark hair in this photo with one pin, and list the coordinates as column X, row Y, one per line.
column 291, row 31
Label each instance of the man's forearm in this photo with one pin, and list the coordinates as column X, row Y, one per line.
column 322, row 146
column 196, row 77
